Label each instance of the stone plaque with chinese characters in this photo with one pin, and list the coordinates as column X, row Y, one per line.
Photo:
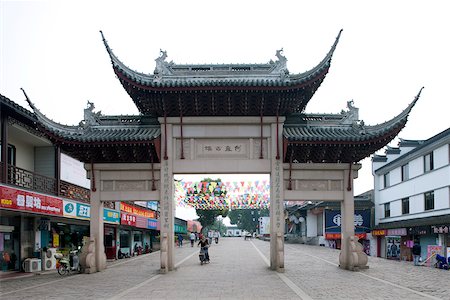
column 233, row 149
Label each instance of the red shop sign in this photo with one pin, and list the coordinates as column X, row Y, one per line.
column 337, row 236
column 127, row 219
column 143, row 212
column 27, row 201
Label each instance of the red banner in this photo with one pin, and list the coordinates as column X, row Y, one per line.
column 137, row 211
column 127, row 219
column 11, row 198
column 337, row 236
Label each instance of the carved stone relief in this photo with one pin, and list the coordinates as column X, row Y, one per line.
column 131, row 185
column 313, row 185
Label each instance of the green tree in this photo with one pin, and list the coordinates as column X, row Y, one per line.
column 218, row 226
column 247, row 219
column 209, row 216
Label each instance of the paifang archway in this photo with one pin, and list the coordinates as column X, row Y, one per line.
column 225, row 118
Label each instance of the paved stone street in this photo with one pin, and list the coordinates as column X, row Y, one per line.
column 238, row 270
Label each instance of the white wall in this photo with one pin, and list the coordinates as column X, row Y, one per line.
column 24, row 153
column 311, row 224
column 73, row 171
column 437, row 180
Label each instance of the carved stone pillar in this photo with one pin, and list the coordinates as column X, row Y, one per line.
column 167, row 205
column 276, row 207
column 352, row 256
column 96, row 223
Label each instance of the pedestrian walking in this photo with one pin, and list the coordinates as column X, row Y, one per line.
column 180, row 240
column 416, row 250
column 192, row 238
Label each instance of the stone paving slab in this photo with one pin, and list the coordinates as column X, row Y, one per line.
column 239, row 270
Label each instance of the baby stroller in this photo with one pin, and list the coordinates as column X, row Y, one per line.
column 441, row 262
column 203, row 255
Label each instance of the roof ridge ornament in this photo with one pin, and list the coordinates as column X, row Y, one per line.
column 351, row 116
column 90, row 117
column 281, row 64
column 162, row 66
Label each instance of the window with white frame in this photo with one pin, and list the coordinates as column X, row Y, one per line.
column 428, row 163
column 405, row 172
column 429, row 200
column 387, row 210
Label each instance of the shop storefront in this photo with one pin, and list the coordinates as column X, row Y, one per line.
column 138, row 229
column 111, row 220
column 22, row 215
column 397, row 242
column 333, row 228
column 31, row 223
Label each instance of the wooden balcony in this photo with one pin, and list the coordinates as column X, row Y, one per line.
column 39, row 183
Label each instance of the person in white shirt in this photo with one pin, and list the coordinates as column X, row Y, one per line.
column 192, row 238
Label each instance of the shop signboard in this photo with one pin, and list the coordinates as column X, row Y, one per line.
column 179, row 228
column 141, row 222
column 152, row 205
column 378, row 232
column 397, row 232
column 152, row 224
column 337, row 236
column 333, row 221
column 70, row 208
column 419, row 230
column 77, row 210
column 127, row 219
column 83, row 211
column 15, row 199
column 111, row 216
column 143, row 212
column 441, row 229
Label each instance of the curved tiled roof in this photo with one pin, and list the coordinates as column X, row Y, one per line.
column 272, row 74
column 116, row 129
column 357, row 132
column 5, row 101
column 324, row 138
column 111, row 139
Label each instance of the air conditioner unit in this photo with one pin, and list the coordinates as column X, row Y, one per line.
column 32, row 265
column 49, row 260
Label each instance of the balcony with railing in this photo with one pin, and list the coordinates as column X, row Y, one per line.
column 39, row 183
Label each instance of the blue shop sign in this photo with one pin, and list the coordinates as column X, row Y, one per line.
column 152, row 223
column 152, row 205
column 111, row 216
column 83, row 211
column 333, row 221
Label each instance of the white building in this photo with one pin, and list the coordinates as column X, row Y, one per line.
column 412, row 197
